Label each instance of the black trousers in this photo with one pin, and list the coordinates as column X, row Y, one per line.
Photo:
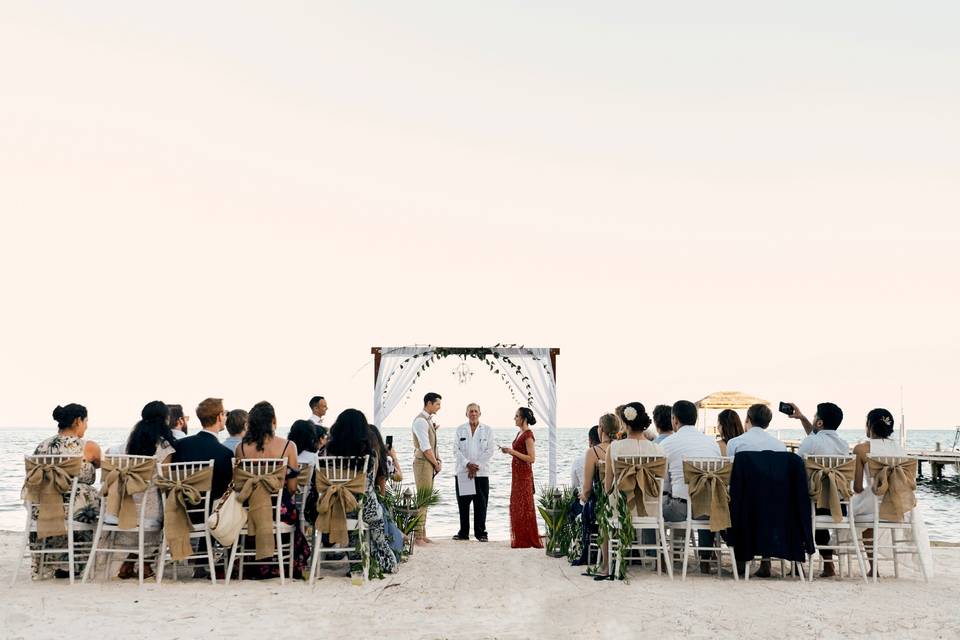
column 479, row 508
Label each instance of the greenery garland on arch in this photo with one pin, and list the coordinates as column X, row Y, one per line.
column 495, row 362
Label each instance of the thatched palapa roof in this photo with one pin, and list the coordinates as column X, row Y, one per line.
column 729, row 400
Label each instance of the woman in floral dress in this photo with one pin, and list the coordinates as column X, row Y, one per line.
column 71, row 427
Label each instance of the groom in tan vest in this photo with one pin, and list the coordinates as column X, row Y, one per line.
column 426, row 463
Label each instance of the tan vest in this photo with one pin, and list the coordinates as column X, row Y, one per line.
column 431, row 435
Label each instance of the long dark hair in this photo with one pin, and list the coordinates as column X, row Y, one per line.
column 730, row 426
column 379, row 450
column 304, row 435
column 152, row 430
column 260, row 424
column 349, row 435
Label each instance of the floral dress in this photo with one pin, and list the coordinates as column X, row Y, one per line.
column 86, row 505
column 380, row 551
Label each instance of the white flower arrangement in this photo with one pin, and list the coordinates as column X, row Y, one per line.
column 630, row 413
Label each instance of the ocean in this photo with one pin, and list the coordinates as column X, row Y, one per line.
column 940, row 500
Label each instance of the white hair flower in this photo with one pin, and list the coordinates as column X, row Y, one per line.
column 630, row 413
column 887, row 421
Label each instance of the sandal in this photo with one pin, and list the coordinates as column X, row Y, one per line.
column 127, row 571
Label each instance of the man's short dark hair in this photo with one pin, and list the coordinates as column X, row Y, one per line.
column 236, row 422
column 594, row 435
column 661, row 418
column 685, row 411
column 831, row 414
column 759, row 415
column 314, row 401
column 431, row 397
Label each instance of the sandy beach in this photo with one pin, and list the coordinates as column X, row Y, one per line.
column 472, row 590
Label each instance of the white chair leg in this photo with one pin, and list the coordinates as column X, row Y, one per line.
column 140, row 555
column 162, row 560
column 315, row 560
column 210, row 563
column 71, row 557
column 24, row 550
column 233, row 558
column 686, row 551
column 280, row 554
column 896, row 554
column 91, row 559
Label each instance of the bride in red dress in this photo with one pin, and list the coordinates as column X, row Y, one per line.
column 524, row 532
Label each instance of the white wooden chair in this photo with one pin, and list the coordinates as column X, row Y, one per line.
column 653, row 520
column 304, row 482
column 109, row 523
column 692, row 525
column 341, row 470
column 897, row 546
column 73, row 548
column 198, row 530
column 837, row 545
column 264, row 466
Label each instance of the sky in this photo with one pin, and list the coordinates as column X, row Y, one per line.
column 239, row 199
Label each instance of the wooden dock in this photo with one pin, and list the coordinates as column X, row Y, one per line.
column 937, row 459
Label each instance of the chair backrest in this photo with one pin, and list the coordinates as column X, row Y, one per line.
column 888, row 460
column 342, row 469
column 651, row 503
column 712, row 464
column 52, row 458
column 123, row 461
column 265, row 466
column 181, row 471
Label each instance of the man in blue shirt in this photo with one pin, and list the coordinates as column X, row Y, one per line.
column 755, row 436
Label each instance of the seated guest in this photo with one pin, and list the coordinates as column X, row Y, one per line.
column 151, row 436
column 350, row 436
column 686, row 442
column 322, row 434
column 178, row 421
column 384, row 471
column 69, row 441
column 205, row 445
column 576, row 470
column 592, row 488
column 303, row 433
column 755, row 436
column 261, row 441
column 823, row 441
column 318, row 409
column 730, row 428
column 236, row 427
column 636, row 420
column 661, row 419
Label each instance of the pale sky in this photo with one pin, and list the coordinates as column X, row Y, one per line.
column 239, row 199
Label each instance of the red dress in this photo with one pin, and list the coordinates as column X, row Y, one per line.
column 524, row 532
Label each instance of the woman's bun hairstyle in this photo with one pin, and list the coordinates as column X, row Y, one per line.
column 881, row 422
column 65, row 416
column 635, row 417
column 155, row 410
column 528, row 416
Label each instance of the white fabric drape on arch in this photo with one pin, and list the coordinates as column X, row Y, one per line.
column 533, row 362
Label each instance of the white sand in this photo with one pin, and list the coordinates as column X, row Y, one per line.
column 473, row 590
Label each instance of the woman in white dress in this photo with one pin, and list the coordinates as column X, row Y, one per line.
column 879, row 428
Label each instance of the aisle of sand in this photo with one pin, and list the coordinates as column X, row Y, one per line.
column 474, row 590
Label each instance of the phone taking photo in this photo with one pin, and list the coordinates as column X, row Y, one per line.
column 389, row 443
column 786, row 408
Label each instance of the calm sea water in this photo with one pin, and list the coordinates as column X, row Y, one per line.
column 941, row 500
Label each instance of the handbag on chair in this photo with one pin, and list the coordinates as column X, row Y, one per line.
column 227, row 518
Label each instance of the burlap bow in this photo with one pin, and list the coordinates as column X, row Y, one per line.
column 709, row 493
column 337, row 499
column 639, row 480
column 829, row 485
column 176, row 520
column 120, row 484
column 895, row 484
column 45, row 485
column 255, row 490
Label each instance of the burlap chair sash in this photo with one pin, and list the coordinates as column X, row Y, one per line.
column 638, row 480
column 120, row 484
column 709, row 493
column 895, row 484
column 176, row 520
column 45, row 485
column 829, row 485
column 255, row 490
column 337, row 499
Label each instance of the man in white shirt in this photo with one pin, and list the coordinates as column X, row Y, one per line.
column 473, row 447
column 576, row 470
column 822, row 441
column 755, row 436
column 686, row 442
column 426, row 464
column 318, row 409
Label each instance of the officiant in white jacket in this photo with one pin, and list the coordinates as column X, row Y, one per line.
column 473, row 448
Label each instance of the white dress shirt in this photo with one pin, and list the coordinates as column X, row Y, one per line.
column 576, row 471
column 476, row 448
column 421, row 431
column 754, row 439
column 824, row 443
column 315, row 419
column 688, row 442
